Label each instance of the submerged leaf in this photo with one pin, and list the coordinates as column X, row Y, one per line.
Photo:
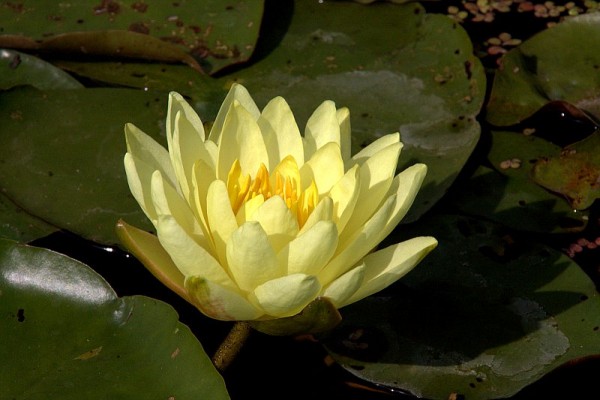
column 560, row 63
column 575, row 173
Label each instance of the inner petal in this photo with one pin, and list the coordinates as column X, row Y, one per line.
column 284, row 182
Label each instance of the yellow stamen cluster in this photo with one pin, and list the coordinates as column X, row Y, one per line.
column 241, row 188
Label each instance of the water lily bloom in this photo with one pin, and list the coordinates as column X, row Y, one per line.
column 255, row 220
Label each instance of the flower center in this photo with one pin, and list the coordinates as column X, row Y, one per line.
column 241, row 188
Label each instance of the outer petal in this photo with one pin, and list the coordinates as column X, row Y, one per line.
column 287, row 295
column 221, row 220
column 220, row 303
column 202, row 176
column 281, row 134
column 189, row 257
column 405, row 185
column 325, row 167
column 139, row 176
column 374, row 148
column 340, row 290
column 404, row 188
column 322, row 128
column 345, row 194
column 146, row 248
column 376, row 175
column 311, row 251
column 251, row 258
column 241, row 140
column 168, row 202
column 343, row 117
column 359, row 244
column 186, row 147
column 146, row 149
column 386, row 266
column 236, row 93
column 277, row 221
column 178, row 105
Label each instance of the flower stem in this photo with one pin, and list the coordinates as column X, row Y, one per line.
column 232, row 345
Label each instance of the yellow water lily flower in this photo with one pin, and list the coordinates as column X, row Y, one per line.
column 255, row 221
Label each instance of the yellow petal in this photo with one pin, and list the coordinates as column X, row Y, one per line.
column 325, row 167
column 220, row 303
column 345, row 194
column 322, row 128
column 403, row 191
column 341, row 289
column 374, row 148
column 386, row 266
column 190, row 258
column 359, row 244
column 237, row 93
column 311, row 251
column 178, row 105
column 343, row 117
column 146, row 248
column 221, row 220
column 405, row 185
column 241, row 140
column 248, row 208
column 146, row 149
column 251, row 258
column 277, row 221
column 139, row 176
column 287, row 295
column 168, row 202
column 281, row 134
column 322, row 212
column 186, row 147
column 202, row 176
column 376, row 175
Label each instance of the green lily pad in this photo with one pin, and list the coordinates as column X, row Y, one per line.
column 22, row 69
column 65, row 334
column 17, row 224
column 516, row 203
column 403, row 70
column 482, row 316
column 209, row 33
column 560, row 63
column 61, row 155
column 575, row 173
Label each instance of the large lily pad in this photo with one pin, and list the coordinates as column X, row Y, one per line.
column 483, row 316
column 62, row 153
column 65, row 334
column 209, row 33
column 560, row 63
column 403, row 70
